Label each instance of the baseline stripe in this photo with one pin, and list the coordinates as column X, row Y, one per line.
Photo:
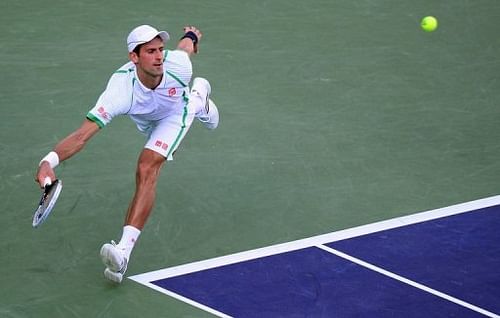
column 407, row 281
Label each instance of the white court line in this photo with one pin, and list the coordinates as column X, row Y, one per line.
column 187, row 300
column 316, row 240
column 407, row 281
column 148, row 277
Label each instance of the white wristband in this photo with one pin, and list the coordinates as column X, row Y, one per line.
column 52, row 158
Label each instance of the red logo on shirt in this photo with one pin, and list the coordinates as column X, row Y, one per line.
column 104, row 114
column 158, row 143
column 164, row 146
column 171, row 91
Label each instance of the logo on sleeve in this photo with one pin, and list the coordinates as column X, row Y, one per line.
column 104, row 114
column 172, row 91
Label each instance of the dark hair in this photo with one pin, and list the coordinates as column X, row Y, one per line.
column 137, row 48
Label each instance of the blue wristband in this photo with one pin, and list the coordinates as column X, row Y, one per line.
column 191, row 35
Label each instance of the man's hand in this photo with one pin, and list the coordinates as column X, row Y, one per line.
column 43, row 172
column 193, row 29
column 190, row 39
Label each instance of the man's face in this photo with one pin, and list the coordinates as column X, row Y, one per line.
column 150, row 58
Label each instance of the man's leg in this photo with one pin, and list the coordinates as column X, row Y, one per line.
column 148, row 171
column 116, row 256
column 164, row 139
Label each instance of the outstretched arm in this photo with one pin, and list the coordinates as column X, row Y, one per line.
column 66, row 148
column 190, row 40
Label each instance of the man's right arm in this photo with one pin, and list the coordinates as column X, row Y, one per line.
column 76, row 140
column 66, row 148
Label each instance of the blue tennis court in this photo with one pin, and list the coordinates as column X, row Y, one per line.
column 439, row 263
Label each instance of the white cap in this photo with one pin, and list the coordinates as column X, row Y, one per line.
column 143, row 34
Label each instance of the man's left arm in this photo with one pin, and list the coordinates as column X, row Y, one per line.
column 190, row 40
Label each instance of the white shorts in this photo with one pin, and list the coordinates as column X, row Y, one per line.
column 165, row 135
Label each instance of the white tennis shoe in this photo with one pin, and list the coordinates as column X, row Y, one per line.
column 116, row 277
column 208, row 115
column 115, row 262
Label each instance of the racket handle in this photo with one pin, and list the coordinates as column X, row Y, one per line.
column 47, row 181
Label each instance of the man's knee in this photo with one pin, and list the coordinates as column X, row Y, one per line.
column 149, row 166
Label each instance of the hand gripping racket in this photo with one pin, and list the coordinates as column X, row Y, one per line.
column 47, row 201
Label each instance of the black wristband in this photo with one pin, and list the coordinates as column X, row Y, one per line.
column 191, row 35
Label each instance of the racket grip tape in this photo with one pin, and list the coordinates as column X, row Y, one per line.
column 47, row 181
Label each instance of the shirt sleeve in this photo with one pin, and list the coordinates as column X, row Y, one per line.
column 178, row 65
column 115, row 100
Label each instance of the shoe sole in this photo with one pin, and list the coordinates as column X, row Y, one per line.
column 110, row 259
column 112, row 276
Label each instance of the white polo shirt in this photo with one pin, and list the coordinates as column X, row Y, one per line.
column 126, row 95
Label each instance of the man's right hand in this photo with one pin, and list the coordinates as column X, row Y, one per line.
column 43, row 172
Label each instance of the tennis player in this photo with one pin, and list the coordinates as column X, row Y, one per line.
column 153, row 90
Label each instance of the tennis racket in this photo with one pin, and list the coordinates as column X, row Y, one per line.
column 49, row 197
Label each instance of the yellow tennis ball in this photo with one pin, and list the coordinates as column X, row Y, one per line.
column 429, row 24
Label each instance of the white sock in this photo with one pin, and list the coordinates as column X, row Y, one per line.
column 129, row 237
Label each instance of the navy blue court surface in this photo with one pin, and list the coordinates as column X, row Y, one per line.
column 441, row 263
